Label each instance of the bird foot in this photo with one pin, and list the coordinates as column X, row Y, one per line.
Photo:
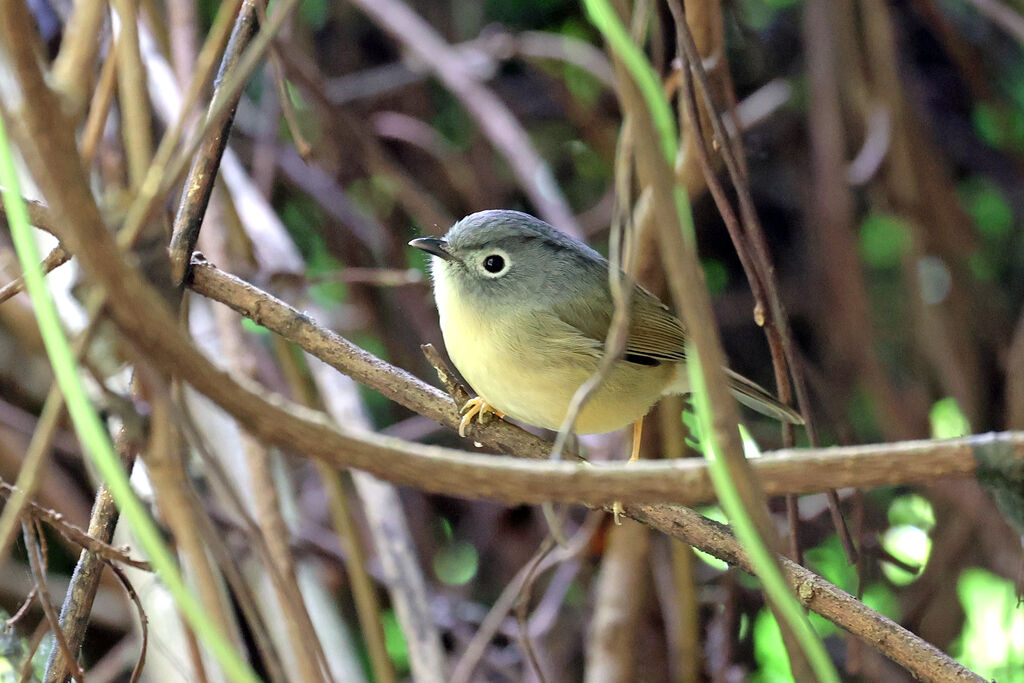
column 617, row 512
column 478, row 408
column 634, row 455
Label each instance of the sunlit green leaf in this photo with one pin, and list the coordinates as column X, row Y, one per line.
column 750, row 447
column 713, row 512
column 769, row 651
column 444, row 525
column 912, row 509
column 254, row 327
column 947, row 420
column 909, row 544
column 689, row 418
column 992, row 641
column 881, row 598
column 394, row 641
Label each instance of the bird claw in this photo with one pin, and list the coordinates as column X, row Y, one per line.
column 617, row 512
column 478, row 408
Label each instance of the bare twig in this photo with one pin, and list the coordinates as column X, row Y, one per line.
column 811, row 470
column 37, row 561
column 76, row 534
column 199, row 184
column 490, row 625
column 522, row 607
column 73, row 66
column 99, row 106
column 85, row 581
column 58, row 256
column 143, row 621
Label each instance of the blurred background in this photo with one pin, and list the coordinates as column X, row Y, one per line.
column 884, row 143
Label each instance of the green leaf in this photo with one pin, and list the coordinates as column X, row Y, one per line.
column 910, row 544
column 912, row 509
column 947, row 420
column 992, row 641
column 988, row 124
column 315, row 13
column 988, row 207
column 394, row 641
column 456, row 563
column 715, row 275
column 713, row 512
column 829, row 560
column 884, row 239
column 769, row 651
column 254, row 328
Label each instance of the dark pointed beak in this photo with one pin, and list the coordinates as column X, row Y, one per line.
column 432, row 245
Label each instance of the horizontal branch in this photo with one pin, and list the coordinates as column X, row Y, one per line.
column 511, row 480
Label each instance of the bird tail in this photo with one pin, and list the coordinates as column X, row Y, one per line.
column 756, row 397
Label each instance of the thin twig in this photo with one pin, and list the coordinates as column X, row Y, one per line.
column 199, row 184
column 37, row 562
column 76, row 534
column 85, row 581
column 490, row 625
column 58, row 256
column 751, row 247
column 523, row 603
column 143, row 621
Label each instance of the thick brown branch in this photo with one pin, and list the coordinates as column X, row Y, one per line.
column 685, row 481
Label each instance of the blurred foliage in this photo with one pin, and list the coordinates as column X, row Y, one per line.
column 992, row 642
column 947, row 420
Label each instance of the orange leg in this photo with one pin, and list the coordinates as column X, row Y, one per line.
column 638, row 430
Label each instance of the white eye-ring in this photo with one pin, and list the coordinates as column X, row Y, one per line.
column 495, row 263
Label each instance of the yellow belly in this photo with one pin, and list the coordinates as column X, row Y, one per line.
column 530, row 365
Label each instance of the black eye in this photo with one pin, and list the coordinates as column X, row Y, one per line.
column 494, row 263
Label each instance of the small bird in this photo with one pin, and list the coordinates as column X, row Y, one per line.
column 524, row 311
